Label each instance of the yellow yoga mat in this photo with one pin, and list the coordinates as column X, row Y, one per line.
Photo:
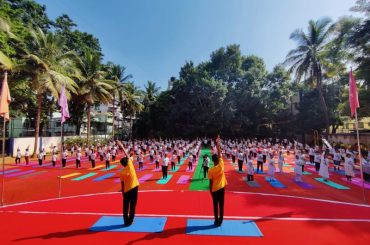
column 69, row 175
column 97, row 167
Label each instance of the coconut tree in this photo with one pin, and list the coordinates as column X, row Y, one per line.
column 307, row 60
column 47, row 67
column 94, row 87
column 117, row 73
column 151, row 91
column 5, row 62
column 131, row 102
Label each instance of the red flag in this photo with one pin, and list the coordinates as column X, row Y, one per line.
column 353, row 94
column 5, row 98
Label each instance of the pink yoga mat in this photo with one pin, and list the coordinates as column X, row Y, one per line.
column 183, row 180
column 145, row 178
column 358, row 182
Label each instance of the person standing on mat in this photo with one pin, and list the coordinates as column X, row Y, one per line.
column 259, row 162
column 324, row 167
column 250, row 169
column 205, row 165
column 217, row 183
column 165, row 166
column 27, row 156
column 130, row 188
column 18, row 156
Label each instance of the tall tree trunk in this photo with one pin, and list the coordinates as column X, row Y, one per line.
column 323, row 104
column 37, row 124
column 114, row 112
column 88, row 123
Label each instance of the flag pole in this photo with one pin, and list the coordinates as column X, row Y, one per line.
column 360, row 158
column 61, row 159
column 3, row 182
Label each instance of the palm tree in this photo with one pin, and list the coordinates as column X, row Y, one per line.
column 117, row 73
column 5, row 62
column 47, row 67
column 308, row 58
column 94, row 87
column 131, row 102
column 151, row 91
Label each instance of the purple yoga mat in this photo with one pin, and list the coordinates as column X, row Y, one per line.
column 117, row 180
column 19, row 173
column 358, row 182
column 304, row 185
column 184, row 179
column 145, row 178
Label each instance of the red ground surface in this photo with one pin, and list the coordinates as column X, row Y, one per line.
column 282, row 219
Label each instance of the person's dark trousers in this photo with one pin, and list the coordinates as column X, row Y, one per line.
column 240, row 164
column 250, row 177
column 233, row 159
column 264, row 158
column 93, row 163
column 218, row 198
column 165, row 171
column 311, row 158
column 27, row 160
column 140, row 165
column 64, row 161
column 190, row 165
column 172, row 165
column 107, row 164
column 113, row 158
column 44, row 157
column 156, row 164
column 151, row 158
column 53, row 163
column 17, row 160
column 78, row 163
column 178, row 158
column 302, row 168
column 366, row 177
column 129, row 202
column 40, row 162
column 260, row 164
column 317, row 166
column 205, row 171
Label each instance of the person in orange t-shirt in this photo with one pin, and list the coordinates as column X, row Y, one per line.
column 217, row 183
column 130, row 187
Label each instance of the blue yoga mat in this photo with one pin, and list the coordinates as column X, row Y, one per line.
column 141, row 224
column 10, row 171
column 84, row 176
column 164, row 181
column 252, row 183
column 245, row 228
column 332, row 184
column 103, row 177
column 275, row 183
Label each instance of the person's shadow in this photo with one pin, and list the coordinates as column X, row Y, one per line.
column 61, row 234
column 172, row 232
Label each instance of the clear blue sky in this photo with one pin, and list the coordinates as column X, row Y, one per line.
column 154, row 38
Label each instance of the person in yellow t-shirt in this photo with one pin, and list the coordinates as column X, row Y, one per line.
column 130, row 188
column 217, row 183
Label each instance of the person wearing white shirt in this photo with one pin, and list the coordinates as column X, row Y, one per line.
column 40, row 156
column 349, row 165
column 173, row 159
column 271, row 166
column 92, row 158
column 18, row 156
column 240, row 161
column 298, row 169
column 311, row 153
column 113, row 152
column 250, row 169
column 259, row 162
column 324, row 167
column 165, row 166
column 190, row 163
column 78, row 159
column 336, row 158
column 64, row 158
column 107, row 160
column 281, row 162
column 54, row 158
column 27, row 156
column 205, row 165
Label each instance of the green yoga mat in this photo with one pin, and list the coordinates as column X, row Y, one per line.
column 84, row 176
column 332, row 184
column 197, row 182
column 164, row 181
